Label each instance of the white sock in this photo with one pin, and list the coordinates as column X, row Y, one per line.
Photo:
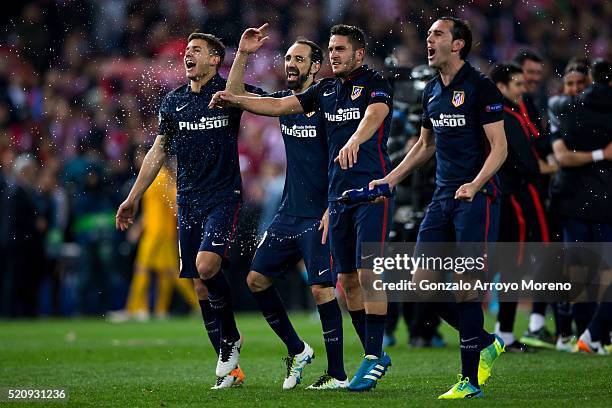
column 507, row 337
column 536, row 322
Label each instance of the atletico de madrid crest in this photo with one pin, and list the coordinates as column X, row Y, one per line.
column 356, row 92
column 458, row 98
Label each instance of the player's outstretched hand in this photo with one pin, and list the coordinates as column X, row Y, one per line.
column 347, row 157
column 466, row 192
column 252, row 39
column 223, row 99
column 375, row 183
column 125, row 214
column 324, row 225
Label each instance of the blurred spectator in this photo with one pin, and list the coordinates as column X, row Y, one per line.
column 26, row 227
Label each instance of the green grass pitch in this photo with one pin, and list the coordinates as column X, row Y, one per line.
column 171, row 364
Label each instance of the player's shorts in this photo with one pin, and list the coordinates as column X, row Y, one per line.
column 352, row 225
column 289, row 239
column 449, row 220
column 158, row 252
column 208, row 229
column 578, row 230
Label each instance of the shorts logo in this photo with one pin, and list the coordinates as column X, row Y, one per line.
column 458, row 98
column 356, row 92
column 310, row 114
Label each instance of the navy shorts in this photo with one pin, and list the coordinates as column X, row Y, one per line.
column 578, row 230
column 451, row 220
column 352, row 225
column 454, row 221
column 203, row 228
column 289, row 239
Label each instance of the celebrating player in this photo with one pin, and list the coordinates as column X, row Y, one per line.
column 295, row 231
column 463, row 125
column 209, row 191
column 356, row 107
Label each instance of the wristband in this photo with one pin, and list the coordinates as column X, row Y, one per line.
column 598, row 155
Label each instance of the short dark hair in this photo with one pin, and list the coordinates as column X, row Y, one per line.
column 576, row 66
column 527, row 54
column 215, row 46
column 316, row 52
column 601, row 70
column 355, row 34
column 461, row 31
column 503, row 71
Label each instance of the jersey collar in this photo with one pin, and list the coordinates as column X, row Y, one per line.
column 463, row 71
column 211, row 82
column 355, row 73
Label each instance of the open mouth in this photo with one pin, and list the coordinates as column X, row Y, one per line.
column 335, row 64
column 190, row 64
column 431, row 53
column 292, row 75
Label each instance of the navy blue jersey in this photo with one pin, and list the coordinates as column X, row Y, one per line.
column 343, row 105
column 457, row 113
column 205, row 142
column 305, row 192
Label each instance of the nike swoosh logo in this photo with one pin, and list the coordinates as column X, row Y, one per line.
column 329, row 331
column 431, row 99
column 215, row 244
column 470, row 339
column 329, row 93
column 367, row 256
column 181, row 108
column 323, row 271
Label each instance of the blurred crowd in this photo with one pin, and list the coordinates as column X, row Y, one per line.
column 81, row 82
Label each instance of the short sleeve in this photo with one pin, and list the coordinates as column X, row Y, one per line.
column 277, row 94
column 166, row 124
column 309, row 99
column 378, row 90
column 425, row 121
column 490, row 106
column 254, row 89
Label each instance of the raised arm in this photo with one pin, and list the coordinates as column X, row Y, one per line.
column 499, row 150
column 252, row 39
column 421, row 152
column 152, row 163
column 265, row 106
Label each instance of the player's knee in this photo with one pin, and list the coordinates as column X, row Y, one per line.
column 200, row 289
column 322, row 294
column 349, row 282
column 257, row 282
column 206, row 270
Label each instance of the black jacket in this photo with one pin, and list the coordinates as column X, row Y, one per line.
column 585, row 124
column 521, row 165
